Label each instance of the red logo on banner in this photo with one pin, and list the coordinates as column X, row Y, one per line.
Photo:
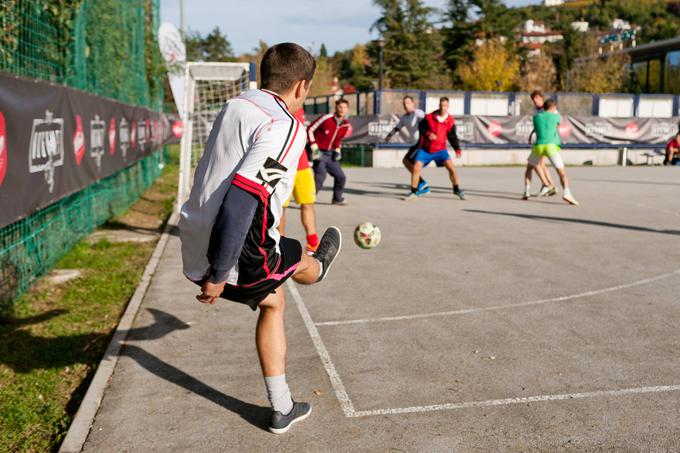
column 79, row 140
column 112, row 136
column 133, row 135
column 494, row 128
column 178, row 129
column 564, row 129
column 632, row 128
column 3, row 148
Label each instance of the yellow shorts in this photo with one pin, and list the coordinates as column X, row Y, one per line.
column 304, row 189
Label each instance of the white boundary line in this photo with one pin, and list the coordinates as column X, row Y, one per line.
column 502, row 307
column 336, row 382
column 520, row 400
column 82, row 422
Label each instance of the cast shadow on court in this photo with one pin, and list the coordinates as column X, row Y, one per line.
column 23, row 352
column 573, row 220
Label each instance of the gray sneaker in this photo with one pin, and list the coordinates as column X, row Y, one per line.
column 279, row 423
column 329, row 247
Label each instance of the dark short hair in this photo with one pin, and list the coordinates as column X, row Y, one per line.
column 285, row 64
column 548, row 104
column 408, row 96
column 342, row 101
column 443, row 98
column 536, row 93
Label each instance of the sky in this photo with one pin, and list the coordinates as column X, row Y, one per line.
column 339, row 24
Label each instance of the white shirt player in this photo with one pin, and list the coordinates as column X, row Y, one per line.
column 409, row 121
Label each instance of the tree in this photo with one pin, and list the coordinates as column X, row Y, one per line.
column 356, row 67
column 323, row 78
column 600, row 74
column 213, row 47
column 495, row 67
column 539, row 74
column 323, row 52
column 470, row 20
column 413, row 47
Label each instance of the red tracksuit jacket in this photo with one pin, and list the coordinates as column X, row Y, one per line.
column 327, row 133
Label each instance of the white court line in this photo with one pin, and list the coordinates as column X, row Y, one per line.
column 502, row 307
column 336, row 382
column 520, row 400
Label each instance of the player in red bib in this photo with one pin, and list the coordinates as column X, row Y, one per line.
column 435, row 129
column 672, row 149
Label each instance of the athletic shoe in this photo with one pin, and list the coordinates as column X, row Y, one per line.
column 422, row 185
column 460, row 194
column 279, row 423
column 329, row 247
column 411, row 197
column 544, row 191
column 552, row 191
column 340, row 203
column 526, row 195
column 570, row 199
column 423, row 191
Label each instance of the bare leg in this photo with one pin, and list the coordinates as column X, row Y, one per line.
column 541, row 171
column 270, row 335
column 546, row 173
column 563, row 178
column 415, row 174
column 408, row 164
column 307, row 271
column 527, row 176
column 308, row 217
column 452, row 172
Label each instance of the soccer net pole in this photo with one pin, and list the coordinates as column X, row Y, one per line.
column 207, row 87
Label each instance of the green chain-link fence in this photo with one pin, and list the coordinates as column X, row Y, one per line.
column 106, row 47
column 31, row 246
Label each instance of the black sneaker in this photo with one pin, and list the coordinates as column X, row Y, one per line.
column 460, row 194
column 279, row 423
column 329, row 247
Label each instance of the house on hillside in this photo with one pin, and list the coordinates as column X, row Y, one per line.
column 535, row 35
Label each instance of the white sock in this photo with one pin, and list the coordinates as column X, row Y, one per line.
column 279, row 394
column 567, row 192
column 527, row 188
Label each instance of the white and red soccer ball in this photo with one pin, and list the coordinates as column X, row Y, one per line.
column 367, row 235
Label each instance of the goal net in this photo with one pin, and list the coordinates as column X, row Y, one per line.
column 207, row 87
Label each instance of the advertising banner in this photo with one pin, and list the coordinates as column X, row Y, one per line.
column 55, row 141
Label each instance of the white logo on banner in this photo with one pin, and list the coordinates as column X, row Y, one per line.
column 97, row 134
column 380, row 128
column 46, row 149
column 141, row 134
column 124, row 136
column 465, row 129
column 596, row 129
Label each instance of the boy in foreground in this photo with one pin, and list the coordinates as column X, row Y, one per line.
column 435, row 129
column 230, row 244
column 548, row 145
column 410, row 121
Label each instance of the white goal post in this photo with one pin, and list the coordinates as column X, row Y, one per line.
column 207, row 86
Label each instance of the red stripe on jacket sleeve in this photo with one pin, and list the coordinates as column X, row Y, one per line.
column 251, row 187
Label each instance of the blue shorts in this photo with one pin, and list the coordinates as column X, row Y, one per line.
column 439, row 157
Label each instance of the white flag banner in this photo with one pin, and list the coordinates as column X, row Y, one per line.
column 174, row 53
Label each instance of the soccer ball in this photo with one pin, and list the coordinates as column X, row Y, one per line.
column 367, row 235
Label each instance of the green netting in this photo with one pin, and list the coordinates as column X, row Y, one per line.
column 29, row 248
column 106, row 47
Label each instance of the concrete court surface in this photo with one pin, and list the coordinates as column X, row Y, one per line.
column 491, row 324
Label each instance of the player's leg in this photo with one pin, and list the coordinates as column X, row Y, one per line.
column 408, row 161
column 548, row 188
column 304, row 192
column 335, row 170
column 320, row 172
column 527, row 182
column 270, row 339
column 418, row 165
column 555, row 157
column 448, row 164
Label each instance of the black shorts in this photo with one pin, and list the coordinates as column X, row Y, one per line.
column 411, row 153
column 291, row 254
